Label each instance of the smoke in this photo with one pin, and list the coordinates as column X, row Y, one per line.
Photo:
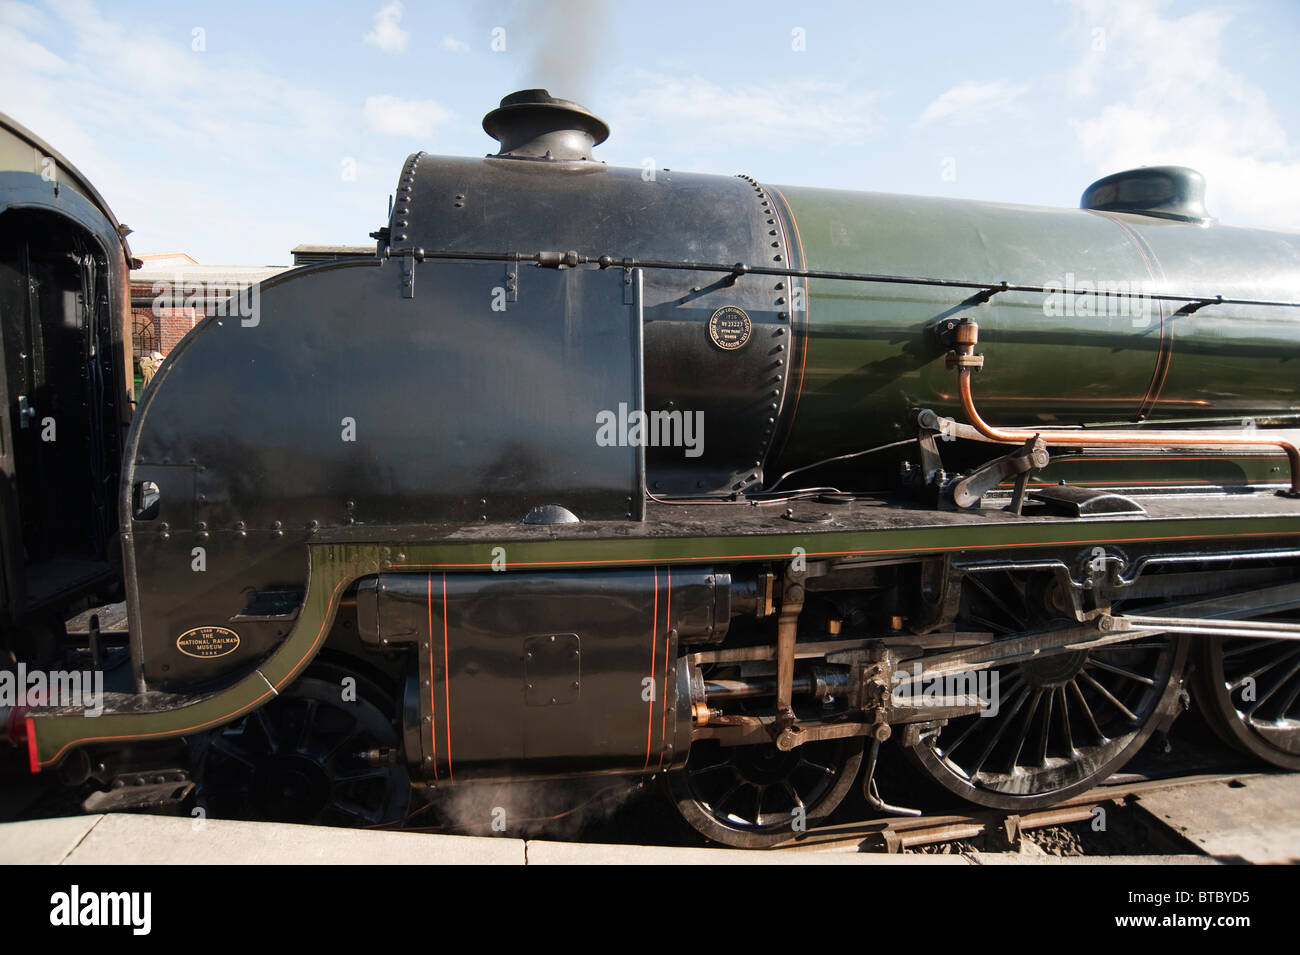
column 563, row 42
column 554, row 809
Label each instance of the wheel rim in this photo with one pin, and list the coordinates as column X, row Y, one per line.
column 1064, row 723
column 751, row 795
column 299, row 759
column 1250, row 692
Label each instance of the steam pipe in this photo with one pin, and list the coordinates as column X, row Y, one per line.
column 966, row 362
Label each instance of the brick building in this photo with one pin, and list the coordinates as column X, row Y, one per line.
column 172, row 291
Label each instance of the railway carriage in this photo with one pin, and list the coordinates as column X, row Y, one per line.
column 66, row 380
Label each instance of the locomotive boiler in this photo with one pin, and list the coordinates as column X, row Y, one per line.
column 620, row 471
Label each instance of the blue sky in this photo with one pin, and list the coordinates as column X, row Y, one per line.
column 235, row 130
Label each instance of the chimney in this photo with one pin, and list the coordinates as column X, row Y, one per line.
column 533, row 124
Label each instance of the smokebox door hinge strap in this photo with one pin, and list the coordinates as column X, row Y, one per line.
column 408, row 276
column 512, row 282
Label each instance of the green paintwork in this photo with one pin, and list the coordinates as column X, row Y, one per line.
column 1184, row 469
column 870, row 361
column 334, row 566
column 945, row 538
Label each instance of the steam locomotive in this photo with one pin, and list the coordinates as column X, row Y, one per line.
column 594, row 471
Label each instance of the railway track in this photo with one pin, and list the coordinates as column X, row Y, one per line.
column 1001, row 830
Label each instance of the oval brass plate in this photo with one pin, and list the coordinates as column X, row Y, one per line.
column 207, row 643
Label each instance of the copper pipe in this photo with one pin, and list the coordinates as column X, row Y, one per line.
column 966, row 362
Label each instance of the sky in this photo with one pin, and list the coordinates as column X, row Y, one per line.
column 234, row 131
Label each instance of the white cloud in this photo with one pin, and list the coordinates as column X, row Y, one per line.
column 1159, row 92
column 387, row 33
column 972, row 103
column 190, row 148
column 416, row 118
column 692, row 110
column 27, row 55
column 23, row 16
column 450, row 43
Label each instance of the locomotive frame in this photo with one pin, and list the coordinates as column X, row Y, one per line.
column 522, row 601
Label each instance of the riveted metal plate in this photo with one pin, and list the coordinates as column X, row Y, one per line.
column 552, row 669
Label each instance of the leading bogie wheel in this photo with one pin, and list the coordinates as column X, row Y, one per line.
column 756, row 796
column 303, row 758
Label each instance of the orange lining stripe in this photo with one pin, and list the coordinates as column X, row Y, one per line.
column 1169, row 355
column 668, row 631
column 926, row 549
column 654, row 641
column 433, row 709
column 1137, row 483
column 198, row 726
column 446, row 676
column 1237, row 456
column 1164, row 358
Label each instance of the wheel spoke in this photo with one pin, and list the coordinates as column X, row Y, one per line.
column 360, row 776
column 975, row 722
column 1025, row 727
column 828, row 770
column 1290, row 698
column 1275, row 687
column 1100, row 737
column 1259, row 671
column 726, row 797
column 997, row 601
column 1109, row 695
column 712, row 768
column 991, row 625
column 1251, row 644
column 352, row 809
column 1046, row 728
column 1119, row 671
column 997, row 735
column 351, row 736
column 798, row 800
column 227, row 747
column 1066, row 732
column 308, row 724
column 264, row 724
